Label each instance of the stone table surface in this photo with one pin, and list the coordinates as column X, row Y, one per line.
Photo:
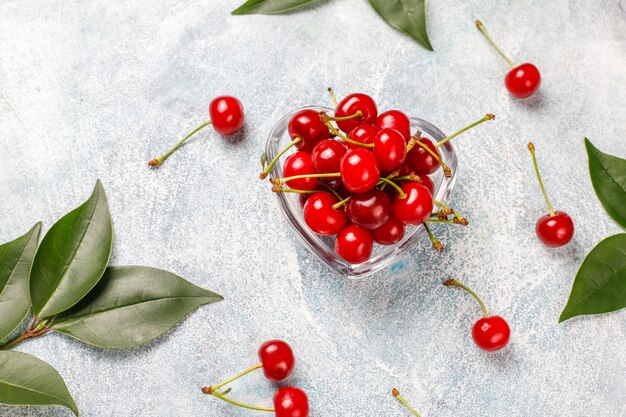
column 94, row 89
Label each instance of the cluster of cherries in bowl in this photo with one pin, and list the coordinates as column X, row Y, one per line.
column 364, row 176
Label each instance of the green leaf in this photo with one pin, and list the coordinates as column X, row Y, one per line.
column 600, row 285
column 270, row 6
column 26, row 380
column 16, row 258
column 408, row 16
column 608, row 175
column 72, row 256
column 131, row 306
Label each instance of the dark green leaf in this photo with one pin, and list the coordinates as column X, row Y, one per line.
column 408, row 16
column 600, row 285
column 16, row 257
column 72, row 256
column 271, row 6
column 132, row 305
column 26, row 380
column 608, row 175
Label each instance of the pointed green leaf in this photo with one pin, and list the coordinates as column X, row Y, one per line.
column 270, row 6
column 26, row 380
column 608, row 176
column 408, row 16
column 72, row 256
column 600, row 285
column 131, row 306
column 16, row 257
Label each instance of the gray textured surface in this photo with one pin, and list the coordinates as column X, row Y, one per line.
column 93, row 89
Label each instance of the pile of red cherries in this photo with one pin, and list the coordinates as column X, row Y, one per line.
column 364, row 176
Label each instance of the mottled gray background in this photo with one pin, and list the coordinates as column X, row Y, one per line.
column 94, row 89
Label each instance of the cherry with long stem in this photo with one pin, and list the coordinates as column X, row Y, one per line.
column 158, row 161
column 447, row 172
column 476, row 123
column 326, row 119
column 400, row 398
column 480, row 26
column 531, row 149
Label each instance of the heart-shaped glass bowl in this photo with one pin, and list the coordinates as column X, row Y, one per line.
column 323, row 247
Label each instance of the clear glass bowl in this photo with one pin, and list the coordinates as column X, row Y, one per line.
column 323, row 247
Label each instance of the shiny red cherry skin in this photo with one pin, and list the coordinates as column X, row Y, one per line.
column 359, row 170
column 427, row 182
column 364, row 133
column 491, row 333
column 369, row 210
column 300, row 163
column 421, row 161
column 320, row 215
column 226, row 113
column 395, row 119
column 352, row 104
column 326, row 156
column 291, row 402
column 277, row 359
column 390, row 149
column 415, row 207
column 390, row 232
column 307, row 125
column 555, row 231
column 354, row 244
column 523, row 81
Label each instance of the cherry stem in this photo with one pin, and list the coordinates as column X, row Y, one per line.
column 484, row 119
column 279, row 181
column 267, row 170
column 356, row 115
column 238, row 404
column 329, row 188
column 459, row 219
column 480, row 26
column 37, row 328
column 531, row 148
column 453, row 282
column 411, row 144
column 332, row 96
column 158, row 161
column 213, row 388
column 411, row 177
column 447, row 172
column 326, row 120
column 436, row 243
column 338, row 205
column 391, row 176
column 448, row 221
column 281, row 189
column 401, row 194
column 400, row 398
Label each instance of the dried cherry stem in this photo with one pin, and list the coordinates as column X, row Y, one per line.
column 332, row 96
column 414, row 139
column 411, row 177
column 400, row 398
column 356, row 115
column 279, row 181
column 436, row 243
column 446, row 169
column 449, row 210
column 281, row 189
column 269, row 167
column 338, row 205
column 326, row 120
column 158, row 161
column 480, row 26
column 455, row 283
column 531, row 148
column 38, row 327
column 401, row 194
column 484, row 119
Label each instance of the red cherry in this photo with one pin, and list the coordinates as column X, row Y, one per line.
column 308, row 126
column 421, row 161
column 416, row 206
column 354, row 244
column 390, row 149
column 300, row 163
column 277, row 360
column 523, row 81
column 369, row 210
column 359, row 170
column 327, row 156
column 364, row 133
column 320, row 215
column 428, row 183
column 395, row 119
column 291, row 402
column 226, row 113
column 392, row 231
column 555, row 231
column 353, row 104
column 491, row 333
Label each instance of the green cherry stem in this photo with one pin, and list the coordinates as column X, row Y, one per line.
column 448, row 221
column 449, row 210
column 329, row 188
column 336, row 206
column 480, row 26
column 326, row 120
column 158, row 161
column 455, row 283
column 401, row 194
column 238, row 404
column 281, row 189
column 484, row 119
column 447, row 172
column 436, row 243
column 356, row 115
column 269, row 167
column 531, row 148
column 213, row 388
column 279, row 181
column 332, row 96
column 400, row 398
